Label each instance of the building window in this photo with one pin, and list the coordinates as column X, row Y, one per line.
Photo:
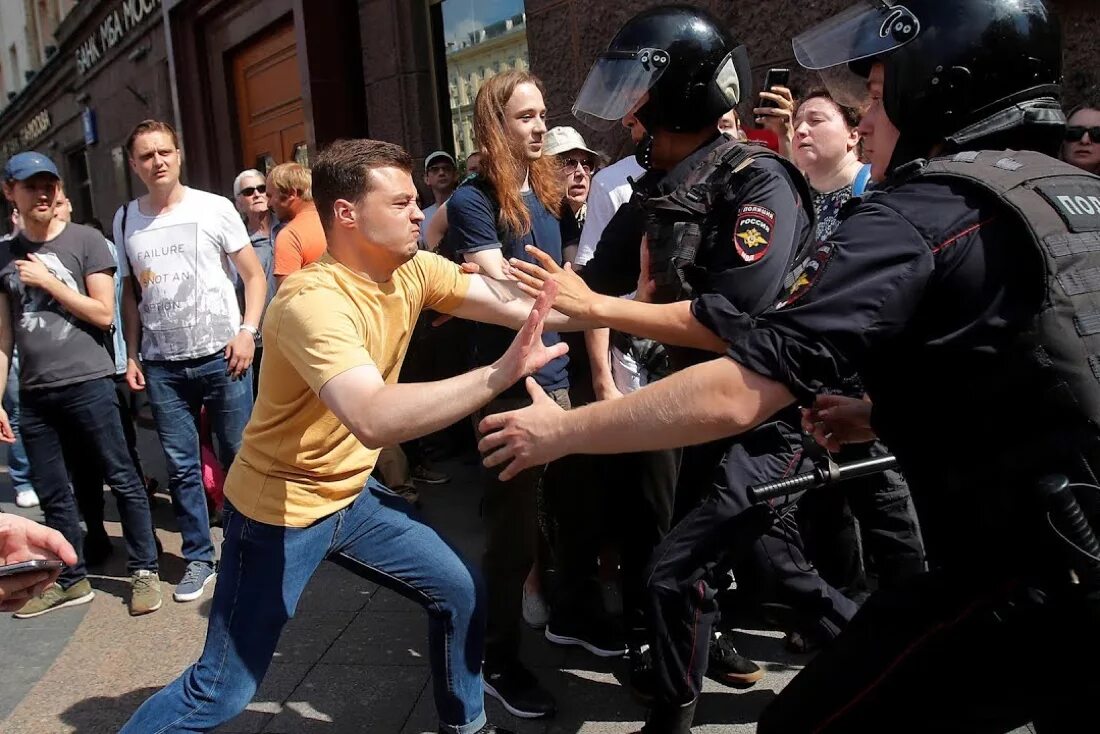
column 79, row 186
column 481, row 38
column 13, row 64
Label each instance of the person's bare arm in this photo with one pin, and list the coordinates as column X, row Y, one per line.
column 598, row 343
column 97, row 308
column 242, row 347
column 668, row 323
column 501, row 302
column 255, row 284
column 437, row 228
column 491, row 263
column 385, row 415
column 702, row 403
column 131, row 329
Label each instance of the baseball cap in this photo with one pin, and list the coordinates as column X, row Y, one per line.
column 22, row 166
column 438, row 154
column 563, row 138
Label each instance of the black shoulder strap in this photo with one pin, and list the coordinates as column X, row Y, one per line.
column 738, row 156
column 120, row 248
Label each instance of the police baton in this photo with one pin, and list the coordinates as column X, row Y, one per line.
column 820, row 476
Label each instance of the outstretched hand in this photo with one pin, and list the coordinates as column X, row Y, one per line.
column 527, row 354
column 574, row 298
column 521, row 439
column 835, row 420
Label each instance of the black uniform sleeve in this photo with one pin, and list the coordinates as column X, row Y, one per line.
column 614, row 267
column 757, row 238
column 868, row 281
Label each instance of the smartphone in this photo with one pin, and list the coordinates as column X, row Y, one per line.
column 775, row 78
column 15, row 569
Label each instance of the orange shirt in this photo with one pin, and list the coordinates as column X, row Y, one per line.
column 300, row 242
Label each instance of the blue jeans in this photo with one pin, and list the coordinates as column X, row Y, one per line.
column 177, row 393
column 263, row 571
column 80, row 423
column 19, row 469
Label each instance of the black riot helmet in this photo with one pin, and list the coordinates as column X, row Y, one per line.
column 692, row 68
column 956, row 71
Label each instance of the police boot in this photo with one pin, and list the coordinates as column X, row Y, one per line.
column 668, row 718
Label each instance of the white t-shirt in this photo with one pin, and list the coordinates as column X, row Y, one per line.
column 609, row 191
column 188, row 305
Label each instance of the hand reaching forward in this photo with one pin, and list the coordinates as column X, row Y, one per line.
column 527, row 354
column 574, row 298
column 522, row 438
column 836, row 420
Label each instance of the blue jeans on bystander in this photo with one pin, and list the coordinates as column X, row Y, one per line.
column 177, row 393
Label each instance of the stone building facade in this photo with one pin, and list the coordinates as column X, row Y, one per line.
column 250, row 83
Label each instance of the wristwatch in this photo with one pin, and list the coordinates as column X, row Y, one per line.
column 250, row 329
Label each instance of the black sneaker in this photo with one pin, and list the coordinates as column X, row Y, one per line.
column 488, row 729
column 729, row 667
column 518, row 691
column 600, row 635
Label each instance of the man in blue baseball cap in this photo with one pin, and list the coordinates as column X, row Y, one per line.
column 22, row 166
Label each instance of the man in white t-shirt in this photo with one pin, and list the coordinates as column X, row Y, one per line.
column 186, row 340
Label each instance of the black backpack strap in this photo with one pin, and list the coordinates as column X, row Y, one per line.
column 120, row 248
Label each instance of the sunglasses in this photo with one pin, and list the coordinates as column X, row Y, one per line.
column 1074, row 134
column 249, row 190
column 570, row 164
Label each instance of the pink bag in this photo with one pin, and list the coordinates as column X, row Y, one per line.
column 213, row 476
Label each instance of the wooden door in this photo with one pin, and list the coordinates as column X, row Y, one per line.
column 268, row 89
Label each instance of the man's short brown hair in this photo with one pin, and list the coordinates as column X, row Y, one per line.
column 151, row 126
column 342, row 171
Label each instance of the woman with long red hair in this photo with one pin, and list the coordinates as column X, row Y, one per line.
column 516, row 201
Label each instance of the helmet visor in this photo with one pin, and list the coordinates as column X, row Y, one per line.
column 617, row 82
column 867, row 29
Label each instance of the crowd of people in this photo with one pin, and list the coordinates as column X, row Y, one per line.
column 642, row 342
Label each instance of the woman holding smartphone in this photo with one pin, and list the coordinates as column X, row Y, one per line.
column 776, row 110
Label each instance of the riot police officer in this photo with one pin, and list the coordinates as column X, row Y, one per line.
column 964, row 291
column 721, row 218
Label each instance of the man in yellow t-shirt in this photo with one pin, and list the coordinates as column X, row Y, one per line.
column 300, row 490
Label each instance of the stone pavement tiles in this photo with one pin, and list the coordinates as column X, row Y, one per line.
column 354, row 659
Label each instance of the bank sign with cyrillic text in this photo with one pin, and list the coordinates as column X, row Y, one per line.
column 112, row 30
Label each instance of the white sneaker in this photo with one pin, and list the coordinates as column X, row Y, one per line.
column 26, row 498
column 536, row 612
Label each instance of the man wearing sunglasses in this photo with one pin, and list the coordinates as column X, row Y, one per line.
column 1082, row 140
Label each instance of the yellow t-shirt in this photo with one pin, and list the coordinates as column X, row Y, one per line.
column 298, row 462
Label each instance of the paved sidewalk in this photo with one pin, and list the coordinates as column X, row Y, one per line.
column 354, row 659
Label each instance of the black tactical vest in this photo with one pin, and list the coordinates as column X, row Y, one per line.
column 681, row 226
column 1059, row 205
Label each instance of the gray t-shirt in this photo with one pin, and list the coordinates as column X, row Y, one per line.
column 55, row 347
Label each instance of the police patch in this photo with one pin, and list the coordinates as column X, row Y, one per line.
column 807, row 274
column 752, row 234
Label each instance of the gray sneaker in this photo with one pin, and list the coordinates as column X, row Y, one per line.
column 198, row 576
